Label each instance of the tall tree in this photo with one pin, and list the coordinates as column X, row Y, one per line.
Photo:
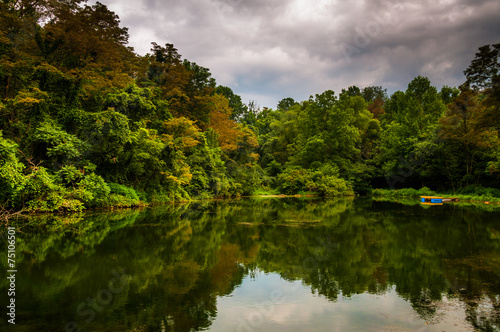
column 372, row 93
column 237, row 106
column 166, row 70
column 409, row 124
column 285, row 103
column 485, row 68
column 226, row 129
column 461, row 126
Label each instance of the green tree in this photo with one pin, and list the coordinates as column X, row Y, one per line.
column 461, row 127
column 447, row 94
column 285, row 103
column 372, row 93
column 237, row 106
column 11, row 173
column 484, row 68
column 107, row 134
column 410, row 119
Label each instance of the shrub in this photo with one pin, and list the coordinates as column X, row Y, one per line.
column 363, row 188
column 292, row 181
column 297, row 180
column 93, row 190
column 42, row 193
column 424, row 191
column 122, row 196
column 38, row 191
column 477, row 190
column 123, row 190
column 331, row 186
column 69, row 174
column 71, row 205
column 115, row 200
column 407, row 192
column 11, row 172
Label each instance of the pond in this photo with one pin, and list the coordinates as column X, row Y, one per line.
column 259, row 264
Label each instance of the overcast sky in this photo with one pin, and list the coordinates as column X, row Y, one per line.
column 266, row 50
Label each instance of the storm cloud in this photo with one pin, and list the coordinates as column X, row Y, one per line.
column 267, row 50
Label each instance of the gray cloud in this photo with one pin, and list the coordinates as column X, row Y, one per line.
column 267, row 50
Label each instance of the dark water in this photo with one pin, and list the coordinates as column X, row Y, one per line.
column 259, row 265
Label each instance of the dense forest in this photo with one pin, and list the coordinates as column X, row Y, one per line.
column 85, row 122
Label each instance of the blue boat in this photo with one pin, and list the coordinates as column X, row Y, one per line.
column 437, row 199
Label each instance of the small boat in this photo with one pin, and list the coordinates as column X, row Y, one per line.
column 437, row 199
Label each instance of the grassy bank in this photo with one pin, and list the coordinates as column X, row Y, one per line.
column 473, row 194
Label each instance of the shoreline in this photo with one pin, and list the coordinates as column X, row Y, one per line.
column 5, row 215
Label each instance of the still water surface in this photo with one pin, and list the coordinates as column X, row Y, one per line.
column 284, row 264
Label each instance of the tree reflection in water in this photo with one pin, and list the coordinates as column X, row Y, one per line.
column 183, row 257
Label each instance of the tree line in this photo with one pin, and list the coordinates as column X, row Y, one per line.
column 85, row 122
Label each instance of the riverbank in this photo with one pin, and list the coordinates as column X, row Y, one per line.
column 482, row 195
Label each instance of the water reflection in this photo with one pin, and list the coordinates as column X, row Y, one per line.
column 180, row 267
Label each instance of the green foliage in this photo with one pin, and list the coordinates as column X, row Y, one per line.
column 141, row 162
column 96, row 188
column 11, row 173
column 404, row 192
column 407, row 192
column 424, row 191
column 323, row 182
column 122, row 190
column 208, row 169
column 42, row 193
column 107, row 133
column 469, row 141
column 69, row 175
column 285, row 103
column 122, row 196
column 477, row 190
column 331, row 186
column 56, row 144
column 134, row 102
column 86, row 123
column 469, row 193
column 485, row 68
column 265, row 192
column 292, row 181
